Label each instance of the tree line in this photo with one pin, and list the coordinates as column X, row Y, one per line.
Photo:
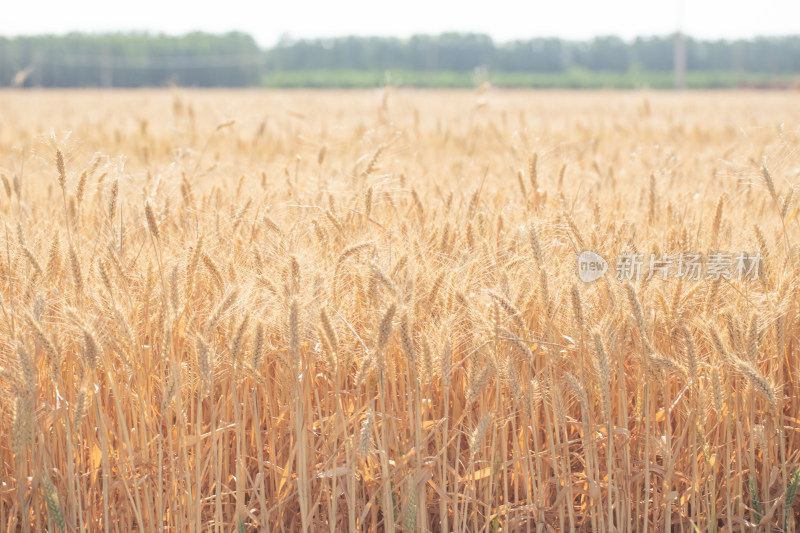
column 131, row 60
column 236, row 60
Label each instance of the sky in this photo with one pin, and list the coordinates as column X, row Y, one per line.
column 504, row 20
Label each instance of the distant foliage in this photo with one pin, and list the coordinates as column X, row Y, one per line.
column 131, row 60
column 236, row 60
column 464, row 52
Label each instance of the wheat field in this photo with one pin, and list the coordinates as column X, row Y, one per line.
column 363, row 311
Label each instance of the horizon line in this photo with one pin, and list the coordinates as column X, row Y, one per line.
column 290, row 39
